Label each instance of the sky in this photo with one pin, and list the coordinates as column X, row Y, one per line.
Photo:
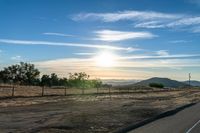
column 107, row 39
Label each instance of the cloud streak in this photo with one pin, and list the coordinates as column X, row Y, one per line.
column 162, row 53
column 84, row 53
column 163, row 60
column 57, row 34
column 16, row 58
column 125, row 15
column 145, row 19
column 186, row 21
column 163, row 56
column 179, row 41
column 150, row 24
column 123, row 69
column 113, row 36
column 98, row 46
column 63, row 66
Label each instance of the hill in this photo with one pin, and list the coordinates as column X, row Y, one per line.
column 193, row 82
column 165, row 81
column 119, row 82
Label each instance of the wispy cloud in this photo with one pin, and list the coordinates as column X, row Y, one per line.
column 146, row 19
column 112, row 35
column 63, row 66
column 150, row 24
column 16, row 58
column 196, row 29
column 185, row 22
column 58, row 34
column 179, row 41
column 123, row 69
column 84, row 53
column 125, row 15
column 162, row 56
column 188, row 22
column 98, row 46
column 162, row 53
column 167, row 63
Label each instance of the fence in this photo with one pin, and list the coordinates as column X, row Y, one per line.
column 15, row 91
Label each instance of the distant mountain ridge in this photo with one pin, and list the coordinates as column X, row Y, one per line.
column 119, row 82
column 193, row 82
column 165, row 81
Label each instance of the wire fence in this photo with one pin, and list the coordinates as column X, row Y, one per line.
column 15, row 91
column 26, row 91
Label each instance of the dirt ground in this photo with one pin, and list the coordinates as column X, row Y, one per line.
column 87, row 113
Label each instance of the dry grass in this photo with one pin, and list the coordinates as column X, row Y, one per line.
column 86, row 113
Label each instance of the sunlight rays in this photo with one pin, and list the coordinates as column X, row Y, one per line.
column 105, row 59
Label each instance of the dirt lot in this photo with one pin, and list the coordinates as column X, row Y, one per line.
column 87, row 113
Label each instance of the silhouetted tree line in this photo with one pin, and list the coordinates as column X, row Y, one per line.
column 22, row 73
column 27, row 74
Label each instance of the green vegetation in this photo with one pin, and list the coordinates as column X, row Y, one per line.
column 156, row 85
column 22, row 73
column 27, row 74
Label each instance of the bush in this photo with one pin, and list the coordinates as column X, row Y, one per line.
column 156, row 85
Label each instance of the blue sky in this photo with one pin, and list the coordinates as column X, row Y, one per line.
column 114, row 39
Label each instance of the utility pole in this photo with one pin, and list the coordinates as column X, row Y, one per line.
column 189, row 80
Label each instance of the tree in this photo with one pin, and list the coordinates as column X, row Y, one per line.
column 29, row 73
column 63, row 82
column 23, row 73
column 78, row 79
column 45, row 80
column 97, row 83
column 3, row 77
column 79, row 76
column 53, row 80
column 156, row 85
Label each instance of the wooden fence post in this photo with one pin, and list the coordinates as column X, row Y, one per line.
column 65, row 91
column 82, row 90
column 97, row 90
column 42, row 90
column 109, row 93
column 13, row 91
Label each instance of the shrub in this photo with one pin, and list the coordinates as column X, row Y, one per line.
column 156, row 85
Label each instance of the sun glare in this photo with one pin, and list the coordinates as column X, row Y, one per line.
column 105, row 59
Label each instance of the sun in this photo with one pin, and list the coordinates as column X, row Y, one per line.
column 105, row 59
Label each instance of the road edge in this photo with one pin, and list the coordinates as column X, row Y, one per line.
column 149, row 120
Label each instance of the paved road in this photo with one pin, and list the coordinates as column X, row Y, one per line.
column 185, row 121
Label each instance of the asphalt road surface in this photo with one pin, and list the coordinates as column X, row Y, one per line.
column 185, row 121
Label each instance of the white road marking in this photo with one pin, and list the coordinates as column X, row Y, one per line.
column 193, row 126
